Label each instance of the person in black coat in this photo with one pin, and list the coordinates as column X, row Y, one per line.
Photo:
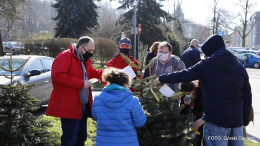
column 192, row 99
column 150, row 56
column 191, row 56
column 227, row 96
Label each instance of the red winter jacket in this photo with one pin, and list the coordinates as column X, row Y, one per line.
column 67, row 81
column 119, row 62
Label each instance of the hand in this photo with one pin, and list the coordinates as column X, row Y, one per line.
column 244, row 132
column 157, row 81
column 198, row 123
column 87, row 84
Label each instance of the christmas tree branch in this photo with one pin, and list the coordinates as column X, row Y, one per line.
column 152, row 62
column 150, row 77
column 4, row 68
column 22, row 64
column 131, row 63
column 7, row 76
column 142, row 55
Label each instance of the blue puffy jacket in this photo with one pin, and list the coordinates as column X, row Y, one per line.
column 117, row 113
column 227, row 96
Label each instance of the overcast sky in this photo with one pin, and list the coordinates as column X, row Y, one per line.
column 199, row 10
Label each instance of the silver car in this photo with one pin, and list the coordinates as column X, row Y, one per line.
column 36, row 70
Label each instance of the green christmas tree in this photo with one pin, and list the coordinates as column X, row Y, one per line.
column 75, row 17
column 164, row 126
column 18, row 127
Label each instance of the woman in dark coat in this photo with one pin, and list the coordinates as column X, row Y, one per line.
column 150, row 56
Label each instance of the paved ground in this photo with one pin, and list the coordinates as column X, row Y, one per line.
column 253, row 129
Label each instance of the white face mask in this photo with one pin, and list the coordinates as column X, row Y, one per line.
column 190, row 95
column 163, row 57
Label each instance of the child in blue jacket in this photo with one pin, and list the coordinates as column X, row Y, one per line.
column 117, row 111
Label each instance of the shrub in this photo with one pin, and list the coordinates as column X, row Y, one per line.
column 45, row 47
column 105, row 49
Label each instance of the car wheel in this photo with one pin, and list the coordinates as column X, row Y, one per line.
column 256, row 65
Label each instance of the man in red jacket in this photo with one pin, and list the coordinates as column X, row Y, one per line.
column 71, row 98
column 118, row 61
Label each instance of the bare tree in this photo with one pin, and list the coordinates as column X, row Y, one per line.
column 221, row 19
column 107, row 19
column 36, row 17
column 200, row 32
column 245, row 19
column 9, row 12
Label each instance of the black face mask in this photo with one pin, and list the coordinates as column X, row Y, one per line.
column 87, row 55
column 124, row 51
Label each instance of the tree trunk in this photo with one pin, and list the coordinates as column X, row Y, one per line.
column 243, row 41
column 1, row 46
column 244, row 35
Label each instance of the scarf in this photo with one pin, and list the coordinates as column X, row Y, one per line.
column 190, row 101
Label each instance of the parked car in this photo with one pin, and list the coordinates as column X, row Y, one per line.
column 15, row 46
column 235, row 53
column 236, row 48
column 199, row 48
column 248, row 51
column 249, row 59
column 36, row 70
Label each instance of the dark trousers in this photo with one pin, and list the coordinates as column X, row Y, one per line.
column 74, row 130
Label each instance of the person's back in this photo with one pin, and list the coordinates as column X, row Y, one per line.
column 191, row 56
column 117, row 113
column 223, row 80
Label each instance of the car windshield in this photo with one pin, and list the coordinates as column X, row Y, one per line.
column 16, row 63
column 240, row 55
column 15, row 45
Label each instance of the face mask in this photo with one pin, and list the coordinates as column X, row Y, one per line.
column 125, row 51
column 190, row 95
column 87, row 55
column 163, row 57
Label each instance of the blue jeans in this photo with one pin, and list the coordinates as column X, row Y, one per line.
column 220, row 136
column 74, row 130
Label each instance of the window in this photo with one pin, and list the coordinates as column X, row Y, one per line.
column 35, row 65
column 16, row 63
column 47, row 64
